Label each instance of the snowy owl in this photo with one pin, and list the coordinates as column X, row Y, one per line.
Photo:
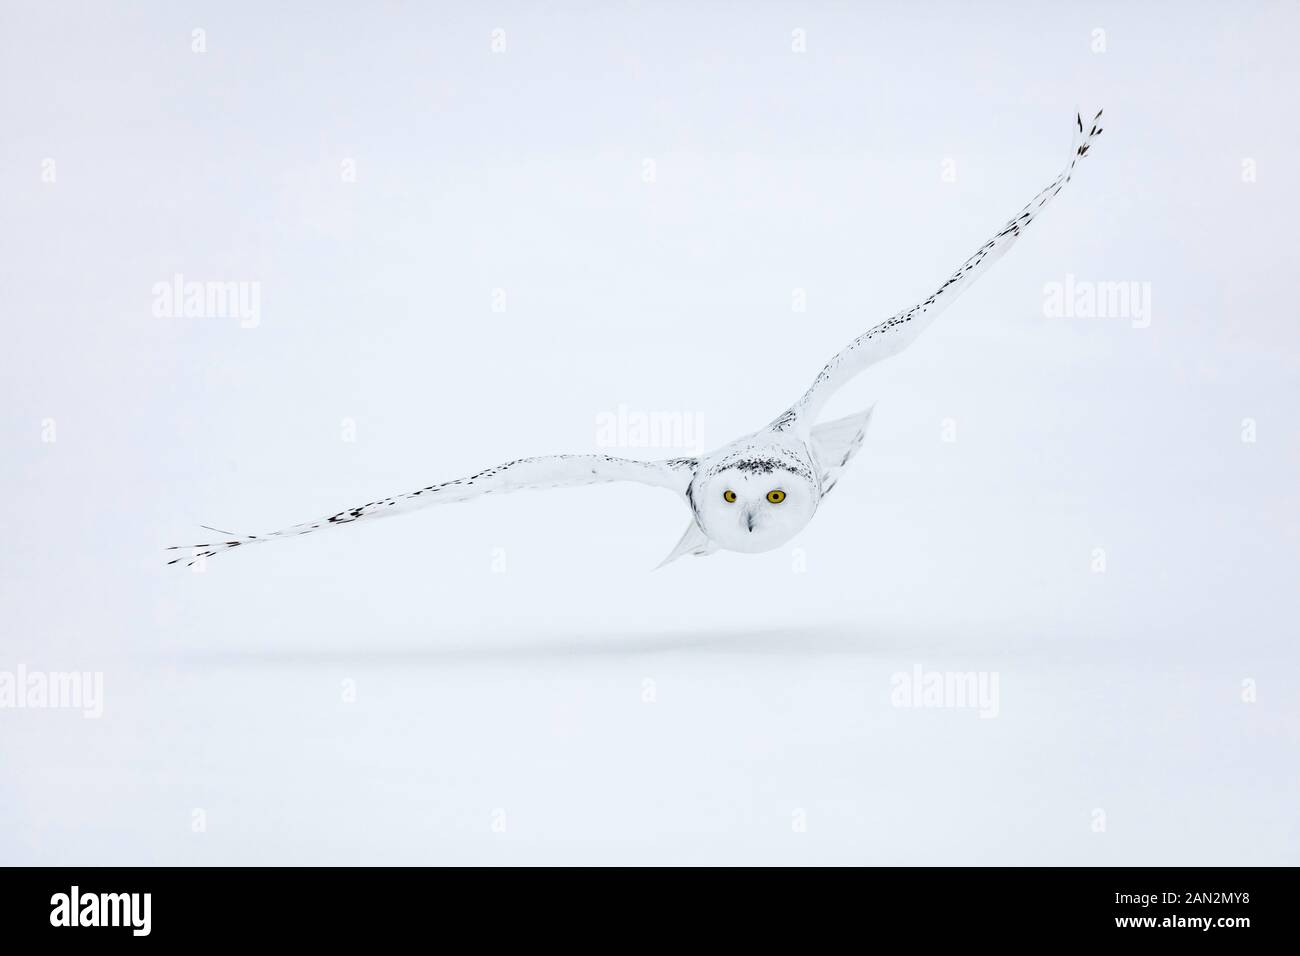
column 752, row 494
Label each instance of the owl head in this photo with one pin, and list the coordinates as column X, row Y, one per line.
column 754, row 502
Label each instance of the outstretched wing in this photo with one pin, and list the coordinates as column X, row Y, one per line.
column 550, row 471
column 835, row 443
column 896, row 333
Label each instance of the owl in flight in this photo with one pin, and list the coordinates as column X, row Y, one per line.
column 752, row 494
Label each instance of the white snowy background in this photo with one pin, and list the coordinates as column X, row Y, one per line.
column 508, row 681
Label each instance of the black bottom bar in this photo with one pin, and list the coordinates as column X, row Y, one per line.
column 338, row 906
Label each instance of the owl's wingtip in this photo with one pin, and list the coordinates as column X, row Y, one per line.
column 694, row 541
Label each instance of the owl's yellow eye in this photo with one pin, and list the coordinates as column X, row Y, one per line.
column 776, row 496
column 729, row 496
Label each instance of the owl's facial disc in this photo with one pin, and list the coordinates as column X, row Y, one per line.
column 747, row 510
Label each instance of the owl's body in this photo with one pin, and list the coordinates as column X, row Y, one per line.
column 756, row 493
column 752, row 494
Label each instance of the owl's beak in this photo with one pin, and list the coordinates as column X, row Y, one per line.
column 749, row 520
